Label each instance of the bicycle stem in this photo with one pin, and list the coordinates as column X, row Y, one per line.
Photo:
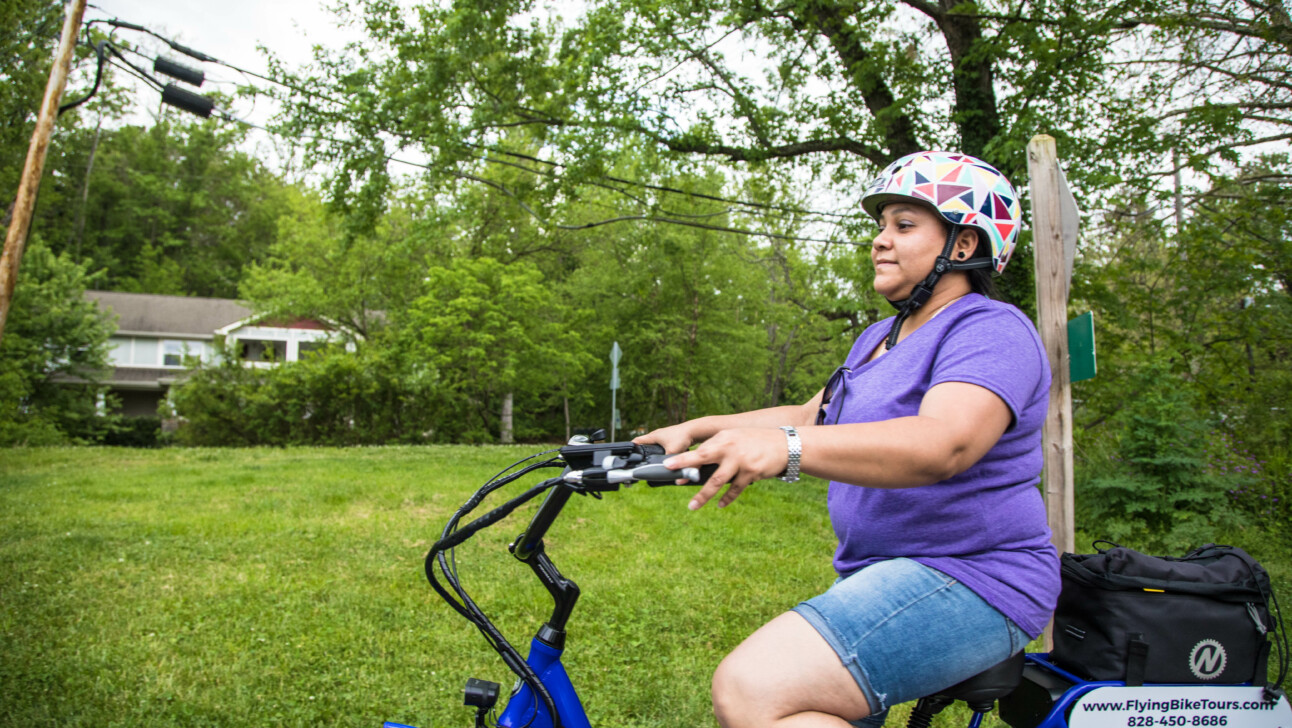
column 528, row 548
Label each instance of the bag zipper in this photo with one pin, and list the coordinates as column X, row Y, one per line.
column 1260, row 626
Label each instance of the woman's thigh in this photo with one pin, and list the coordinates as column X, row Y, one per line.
column 903, row 630
column 785, row 669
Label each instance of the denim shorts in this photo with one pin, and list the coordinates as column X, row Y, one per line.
column 905, row 631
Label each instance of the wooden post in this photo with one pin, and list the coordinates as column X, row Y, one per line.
column 25, row 204
column 1052, row 322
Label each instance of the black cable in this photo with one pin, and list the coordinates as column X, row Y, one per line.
column 148, row 77
column 101, row 52
column 442, row 554
column 131, row 71
column 198, row 55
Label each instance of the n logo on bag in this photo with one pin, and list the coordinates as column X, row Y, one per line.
column 1207, row 660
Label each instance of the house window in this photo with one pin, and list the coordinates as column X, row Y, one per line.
column 307, row 347
column 120, row 350
column 267, row 350
column 145, row 352
column 172, row 353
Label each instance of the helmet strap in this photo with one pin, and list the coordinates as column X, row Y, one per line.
column 924, row 289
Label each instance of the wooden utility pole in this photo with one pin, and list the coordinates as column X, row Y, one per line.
column 1052, row 282
column 25, row 204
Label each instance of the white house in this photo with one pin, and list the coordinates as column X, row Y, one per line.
column 155, row 333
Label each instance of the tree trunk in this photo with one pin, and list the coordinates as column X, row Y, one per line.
column 85, row 190
column 506, row 436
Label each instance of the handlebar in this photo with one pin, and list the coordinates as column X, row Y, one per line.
column 608, row 465
column 653, row 473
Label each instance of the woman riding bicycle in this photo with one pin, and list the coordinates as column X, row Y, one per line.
column 930, row 434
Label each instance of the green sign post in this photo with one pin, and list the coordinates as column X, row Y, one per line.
column 1081, row 347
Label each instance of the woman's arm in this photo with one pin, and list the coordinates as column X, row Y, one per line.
column 956, row 425
column 678, row 438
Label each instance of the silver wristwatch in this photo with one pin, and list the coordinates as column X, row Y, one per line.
column 791, row 473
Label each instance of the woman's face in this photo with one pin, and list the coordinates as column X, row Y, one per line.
column 910, row 238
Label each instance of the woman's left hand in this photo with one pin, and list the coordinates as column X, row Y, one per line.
column 743, row 456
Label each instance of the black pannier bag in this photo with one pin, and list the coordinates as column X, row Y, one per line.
column 1200, row 618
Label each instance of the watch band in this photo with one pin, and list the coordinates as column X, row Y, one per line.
column 795, row 445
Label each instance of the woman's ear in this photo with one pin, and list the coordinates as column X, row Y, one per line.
column 965, row 245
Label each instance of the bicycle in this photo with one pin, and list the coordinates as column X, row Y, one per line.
column 1031, row 691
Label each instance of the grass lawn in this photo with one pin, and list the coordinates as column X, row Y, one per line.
column 198, row 587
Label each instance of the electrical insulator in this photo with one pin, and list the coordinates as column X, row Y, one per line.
column 187, row 100
column 184, row 73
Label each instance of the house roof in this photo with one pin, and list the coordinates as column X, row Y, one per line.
column 178, row 315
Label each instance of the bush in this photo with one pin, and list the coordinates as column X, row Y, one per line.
column 134, row 432
column 334, row 397
column 1156, row 484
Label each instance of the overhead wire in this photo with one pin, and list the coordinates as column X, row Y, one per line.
column 671, row 217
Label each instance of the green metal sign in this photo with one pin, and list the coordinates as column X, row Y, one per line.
column 1081, row 347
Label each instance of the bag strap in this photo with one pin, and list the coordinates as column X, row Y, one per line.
column 1136, row 659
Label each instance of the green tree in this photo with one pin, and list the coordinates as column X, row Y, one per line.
column 174, row 208
column 316, row 267
column 498, row 335
column 54, row 354
column 1159, row 488
column 29, row 30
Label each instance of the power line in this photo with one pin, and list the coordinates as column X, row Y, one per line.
column 754, row 208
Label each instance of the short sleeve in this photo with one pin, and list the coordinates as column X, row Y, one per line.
column 998, row 349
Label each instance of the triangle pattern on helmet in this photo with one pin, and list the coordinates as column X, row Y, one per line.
column 956, row 203
column 946, row 192
column 1002, row 207
column 927, row 191
column 1005, row 229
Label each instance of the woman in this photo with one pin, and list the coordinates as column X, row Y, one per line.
column 930, row 436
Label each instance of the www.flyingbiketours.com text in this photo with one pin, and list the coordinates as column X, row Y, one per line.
column 1168, row 706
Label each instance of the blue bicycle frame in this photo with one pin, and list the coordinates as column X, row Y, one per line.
column 524, row 709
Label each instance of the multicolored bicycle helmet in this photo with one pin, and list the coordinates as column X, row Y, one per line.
column 966, row 192
column 963, row 189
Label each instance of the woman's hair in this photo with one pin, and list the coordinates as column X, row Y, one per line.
column 981, row 281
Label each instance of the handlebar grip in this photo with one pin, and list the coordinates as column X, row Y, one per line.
column 664, row 476
column 650, row 449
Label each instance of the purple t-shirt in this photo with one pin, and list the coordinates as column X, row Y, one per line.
column 985, row 527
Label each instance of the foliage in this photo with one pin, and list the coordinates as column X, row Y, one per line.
column 29, row 30
column 332, row 397
column 173, row 208
column 833, row 89
column 356, row 281
column 1202, row 300
column 53, row 354
column 1160, row 488
column 141, row 431
column 492, row 330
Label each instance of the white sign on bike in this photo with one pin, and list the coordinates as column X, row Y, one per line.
column 1180, row 706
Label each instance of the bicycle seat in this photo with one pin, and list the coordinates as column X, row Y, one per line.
column 989, row 685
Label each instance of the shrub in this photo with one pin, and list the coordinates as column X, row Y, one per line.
column 1157, row 486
